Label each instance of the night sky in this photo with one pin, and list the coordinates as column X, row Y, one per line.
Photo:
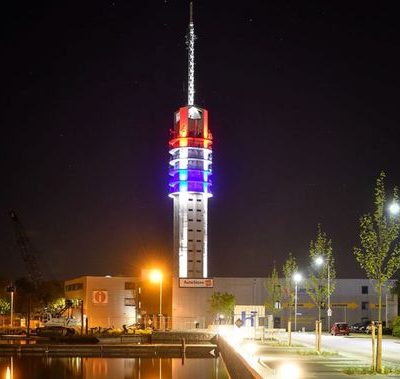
column 304, row 108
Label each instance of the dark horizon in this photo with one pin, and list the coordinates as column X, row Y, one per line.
column 302, row 101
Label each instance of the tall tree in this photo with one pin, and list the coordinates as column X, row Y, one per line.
column 222, row 303
column 274, row 293
column 4, row 306
column 379, row 254
column 4, row 309
column 289, row 269
column 321, row 278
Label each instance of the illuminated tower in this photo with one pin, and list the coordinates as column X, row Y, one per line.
column 190, row 178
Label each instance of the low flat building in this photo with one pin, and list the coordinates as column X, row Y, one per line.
column 108, row 302
column 114, row 301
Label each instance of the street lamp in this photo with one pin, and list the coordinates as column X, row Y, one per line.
column 11, row 290
column 394, row 208
column 156, row 276
column 296, row 278
column 319, row 261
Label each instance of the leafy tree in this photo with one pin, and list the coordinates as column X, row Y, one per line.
column 50, row 291
column 274, row 292
column 289, row 268
column 317, row 283
column 222, row 303
column 396, row 327
column 56, row 305
column 379, row 254
column 25, row 294
column 39, row 296
column 5, row 306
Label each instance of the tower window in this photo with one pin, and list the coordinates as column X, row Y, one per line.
column 190, row 230
column 198, row 240
column 197, row 220
column 198, row 261
column 198, row 210
column 190, row 219
column 198, row 200
column 198, row 230
column 190, row 209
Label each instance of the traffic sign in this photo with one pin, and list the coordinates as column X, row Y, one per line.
column 239, row 322
column 329, row 312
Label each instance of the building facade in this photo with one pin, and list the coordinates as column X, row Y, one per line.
column 354, row 300
column 114, row 301
column 108, row 302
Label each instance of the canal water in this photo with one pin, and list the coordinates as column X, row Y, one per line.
column 32, row 367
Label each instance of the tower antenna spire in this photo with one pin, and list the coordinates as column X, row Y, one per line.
column 190, row 38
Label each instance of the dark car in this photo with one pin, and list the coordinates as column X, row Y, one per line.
column 360, row 327
column 340, row 328
column 385, row 330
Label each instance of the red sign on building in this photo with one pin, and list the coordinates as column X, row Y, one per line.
column 100, row 297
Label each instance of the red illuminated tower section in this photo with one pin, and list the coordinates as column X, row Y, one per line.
column 190, row 182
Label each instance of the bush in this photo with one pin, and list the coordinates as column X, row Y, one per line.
column 396, row 327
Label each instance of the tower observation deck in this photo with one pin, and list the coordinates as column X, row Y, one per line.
column 190, row 184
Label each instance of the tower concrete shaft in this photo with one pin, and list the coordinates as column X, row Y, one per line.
column 190, row 184
column 190, row 187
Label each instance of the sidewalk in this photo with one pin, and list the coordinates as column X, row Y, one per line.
column 277, row 361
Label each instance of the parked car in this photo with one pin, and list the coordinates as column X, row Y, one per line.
column 385, row 330
column 360, row 327
column 340, row 328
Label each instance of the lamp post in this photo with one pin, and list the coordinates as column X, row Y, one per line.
column 386, row 309
column 11, row 290
column 394, row 210
column 320, row 261
column 296, row 278
column 156, row 276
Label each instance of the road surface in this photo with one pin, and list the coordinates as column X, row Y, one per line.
column 353, row 345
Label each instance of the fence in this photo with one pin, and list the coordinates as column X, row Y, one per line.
column 177, row 323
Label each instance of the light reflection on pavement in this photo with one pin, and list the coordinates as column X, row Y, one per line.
column 353, row 346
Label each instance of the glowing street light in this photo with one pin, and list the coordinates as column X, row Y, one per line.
column 319, row 261
column 394, row 208
column 296, row 278
column 156, row 276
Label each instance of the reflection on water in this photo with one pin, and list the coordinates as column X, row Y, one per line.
column 110, row 368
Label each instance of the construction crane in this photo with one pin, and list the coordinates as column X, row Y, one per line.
column 54, row 323
column 27, row 251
